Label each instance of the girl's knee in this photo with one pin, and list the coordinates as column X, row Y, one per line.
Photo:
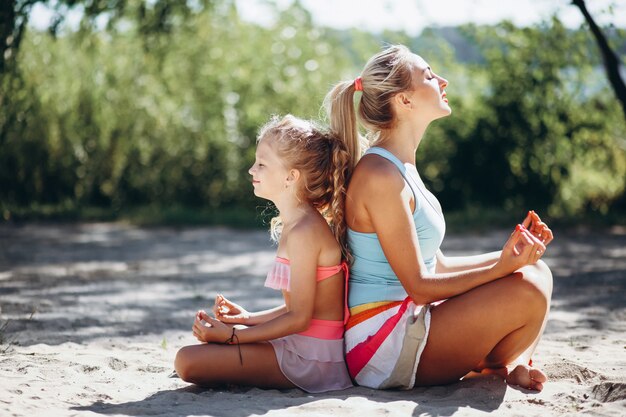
column 183, row 363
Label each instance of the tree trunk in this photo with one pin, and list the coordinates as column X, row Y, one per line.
column 611, row 61
column 7, row 26
column 13, row 20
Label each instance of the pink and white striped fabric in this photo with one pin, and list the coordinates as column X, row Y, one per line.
column 384, row 344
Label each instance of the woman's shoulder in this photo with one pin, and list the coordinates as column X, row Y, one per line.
column 374, row 175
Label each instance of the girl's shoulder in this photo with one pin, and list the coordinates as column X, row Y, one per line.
column 313, row 234
column 312, row 226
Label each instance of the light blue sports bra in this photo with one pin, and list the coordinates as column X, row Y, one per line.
column 371, row 276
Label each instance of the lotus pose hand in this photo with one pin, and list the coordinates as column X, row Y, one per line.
column 207, row 329
column 228, row 312
column 539, row 229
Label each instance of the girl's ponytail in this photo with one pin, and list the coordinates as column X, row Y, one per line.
column 341, row 169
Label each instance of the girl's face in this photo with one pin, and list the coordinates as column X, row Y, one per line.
column 269, row 175
column 428, row 91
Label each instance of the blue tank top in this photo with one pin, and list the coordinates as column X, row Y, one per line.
column 371, row 276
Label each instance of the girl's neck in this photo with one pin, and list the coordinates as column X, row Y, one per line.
column 291, row 211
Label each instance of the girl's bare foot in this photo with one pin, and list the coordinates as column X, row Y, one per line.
column 527, row 377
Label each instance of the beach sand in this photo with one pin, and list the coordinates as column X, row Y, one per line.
column 92, row 316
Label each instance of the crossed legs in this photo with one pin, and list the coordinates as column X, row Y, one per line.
column 212, row 365
column 489, row 327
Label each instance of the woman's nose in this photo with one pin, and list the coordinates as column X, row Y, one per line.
column 443, row 82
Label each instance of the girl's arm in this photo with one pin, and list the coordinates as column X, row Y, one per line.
column 303, row 265
column 265, row 315
column 226, row 311
column 387, row 202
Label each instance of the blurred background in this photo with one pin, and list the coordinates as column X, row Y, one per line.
column 147, row 110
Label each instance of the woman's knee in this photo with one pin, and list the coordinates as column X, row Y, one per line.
column 534, row 287
column 539, row 276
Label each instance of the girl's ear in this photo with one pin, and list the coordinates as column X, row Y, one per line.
column 293, row 177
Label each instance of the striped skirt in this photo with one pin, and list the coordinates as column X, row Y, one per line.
column 384, row 344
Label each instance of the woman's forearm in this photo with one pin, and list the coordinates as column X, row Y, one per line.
column 440, row 286
column 446, row 264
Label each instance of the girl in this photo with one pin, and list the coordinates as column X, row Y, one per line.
column 420, row 317
column 302, row 170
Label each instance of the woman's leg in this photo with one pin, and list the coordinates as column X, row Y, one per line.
column 490, row 326
column 215, row 364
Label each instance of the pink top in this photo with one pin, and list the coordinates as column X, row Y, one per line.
column 279, row 278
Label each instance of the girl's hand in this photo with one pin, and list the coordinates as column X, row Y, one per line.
column 521, row 249
column 229, row 312
column 539, row 229
column 209, row 330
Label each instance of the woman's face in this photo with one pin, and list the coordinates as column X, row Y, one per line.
column 428, row 91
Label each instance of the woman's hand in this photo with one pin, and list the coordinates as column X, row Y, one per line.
column 522, row 248
column 539, row 229
column 229, row 312
column 209, row 330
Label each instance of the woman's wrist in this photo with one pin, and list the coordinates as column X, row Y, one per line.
column 498, row 271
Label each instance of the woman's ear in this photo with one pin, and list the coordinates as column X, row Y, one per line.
column 402, row 101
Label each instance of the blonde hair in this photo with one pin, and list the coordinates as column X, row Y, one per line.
column 386, row 74
column 323, row 161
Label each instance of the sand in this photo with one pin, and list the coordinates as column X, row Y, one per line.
column 92, row 316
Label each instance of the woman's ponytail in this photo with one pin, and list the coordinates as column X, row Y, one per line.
column 339, row 104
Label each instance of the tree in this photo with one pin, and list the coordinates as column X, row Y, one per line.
column 154, row 16
column 610, row 59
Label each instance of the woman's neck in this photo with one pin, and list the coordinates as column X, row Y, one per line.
column 403, row 140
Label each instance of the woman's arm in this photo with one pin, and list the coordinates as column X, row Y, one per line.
column 465, row 263
column 532, row 222
column 387, row 201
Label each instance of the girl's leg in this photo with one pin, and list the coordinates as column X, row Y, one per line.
column 490, row 326
column 215, row 364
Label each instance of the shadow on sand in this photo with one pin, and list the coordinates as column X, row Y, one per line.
column 482, row 393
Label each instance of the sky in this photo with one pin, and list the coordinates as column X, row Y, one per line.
column 413, row 16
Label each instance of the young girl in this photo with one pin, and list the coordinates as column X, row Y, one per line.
column 302, row 170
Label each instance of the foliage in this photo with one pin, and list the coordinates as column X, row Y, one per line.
column 548, row 133
column 164, row 112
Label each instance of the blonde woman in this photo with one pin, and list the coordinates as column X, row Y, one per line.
column 419, row 317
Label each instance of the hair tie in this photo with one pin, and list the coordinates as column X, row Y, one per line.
column 358, row 84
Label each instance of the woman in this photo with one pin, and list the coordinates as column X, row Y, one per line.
column 419, row 317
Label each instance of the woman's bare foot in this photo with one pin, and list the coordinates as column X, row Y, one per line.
column 501, row 372
column 527, row 377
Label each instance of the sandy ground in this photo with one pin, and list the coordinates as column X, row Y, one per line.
column 92, row 316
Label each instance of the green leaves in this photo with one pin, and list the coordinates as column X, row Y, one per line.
column 161, row 106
